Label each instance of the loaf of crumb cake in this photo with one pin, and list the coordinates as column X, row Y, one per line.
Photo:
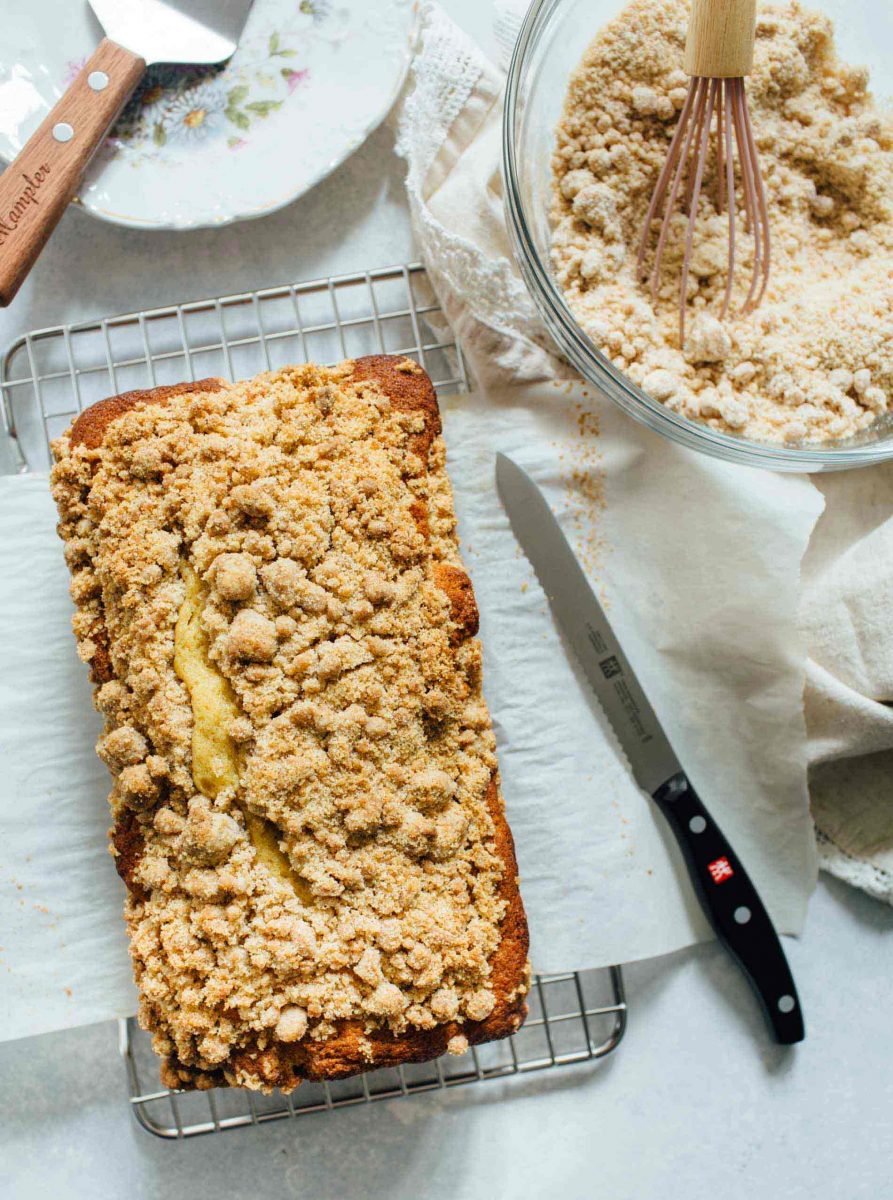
column 306, row 805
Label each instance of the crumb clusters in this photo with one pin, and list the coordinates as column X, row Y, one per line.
column 323, row 849
column 815, row 362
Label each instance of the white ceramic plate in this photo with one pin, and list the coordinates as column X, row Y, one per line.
column 310, row 81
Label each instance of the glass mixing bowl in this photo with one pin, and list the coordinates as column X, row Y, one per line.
column 553, row 38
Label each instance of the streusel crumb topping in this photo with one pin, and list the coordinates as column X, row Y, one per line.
column 294, row 722
column 814, row 363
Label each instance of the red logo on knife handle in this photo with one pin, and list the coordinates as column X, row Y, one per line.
column 720, row 870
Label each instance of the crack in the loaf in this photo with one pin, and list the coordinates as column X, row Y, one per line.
column 217, row 761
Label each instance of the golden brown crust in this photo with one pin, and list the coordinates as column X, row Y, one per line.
column 419, row 513
column 354, row 1047
column 408, row 388
column 100, row 661
column 127, row 848
column 89, row 429
column 454, row 582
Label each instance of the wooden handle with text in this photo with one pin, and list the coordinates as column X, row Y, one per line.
column 36, row 188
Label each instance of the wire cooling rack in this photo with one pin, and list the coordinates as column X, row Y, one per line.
column 574, row 1018
column 47, row 377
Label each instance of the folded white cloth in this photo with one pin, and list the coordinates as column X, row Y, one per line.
column 847, row 617
column 448, row 130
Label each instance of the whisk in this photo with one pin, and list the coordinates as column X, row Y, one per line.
column 718, row 56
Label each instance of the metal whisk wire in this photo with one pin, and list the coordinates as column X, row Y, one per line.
column 726, row 101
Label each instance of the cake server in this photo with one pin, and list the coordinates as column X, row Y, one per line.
column 38, row 184
column 728, row 897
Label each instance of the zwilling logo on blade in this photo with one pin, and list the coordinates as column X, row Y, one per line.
column 610, row 667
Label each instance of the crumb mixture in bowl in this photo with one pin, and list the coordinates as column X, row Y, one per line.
column 815, row 362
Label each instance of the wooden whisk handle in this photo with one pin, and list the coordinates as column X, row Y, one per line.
column 721, row 35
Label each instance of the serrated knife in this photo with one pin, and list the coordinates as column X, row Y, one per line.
column 728, row 897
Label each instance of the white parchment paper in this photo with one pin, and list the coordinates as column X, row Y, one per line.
column 699, row 564
column 63, row 950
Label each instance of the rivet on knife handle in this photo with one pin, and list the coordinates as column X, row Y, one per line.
column 733, row 907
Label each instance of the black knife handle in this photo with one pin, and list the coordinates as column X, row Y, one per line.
column 733, row 906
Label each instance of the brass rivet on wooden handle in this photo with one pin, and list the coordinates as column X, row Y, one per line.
column 721, row 36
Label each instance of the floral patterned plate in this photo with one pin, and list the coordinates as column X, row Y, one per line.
column 205, row 146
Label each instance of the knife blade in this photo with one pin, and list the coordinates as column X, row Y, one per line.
column 727, row 896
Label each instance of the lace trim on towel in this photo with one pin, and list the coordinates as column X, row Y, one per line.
column 483, row 297
column 444, row 72
column 855, row 871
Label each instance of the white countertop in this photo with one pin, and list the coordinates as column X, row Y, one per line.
column 694, row 1103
